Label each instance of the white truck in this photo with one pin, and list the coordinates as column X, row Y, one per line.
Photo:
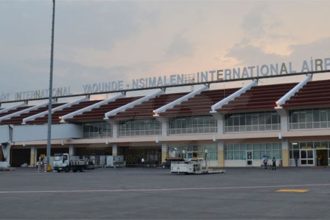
column 115, row 161
column 192, row 166
column 65, row 162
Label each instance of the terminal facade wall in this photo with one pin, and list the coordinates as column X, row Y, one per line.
column 25, row 133
column 252, row 125
column 4, row 134
column 260, row 133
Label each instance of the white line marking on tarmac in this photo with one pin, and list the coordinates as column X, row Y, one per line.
column 160, row 189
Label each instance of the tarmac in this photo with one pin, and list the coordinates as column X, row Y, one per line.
column 154, row 193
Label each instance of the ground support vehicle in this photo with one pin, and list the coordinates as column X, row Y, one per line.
column 115, row 161
column 168, row 161
column 67, row 163
column 192, row 166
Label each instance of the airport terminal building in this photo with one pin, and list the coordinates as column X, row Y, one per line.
column 237, row 127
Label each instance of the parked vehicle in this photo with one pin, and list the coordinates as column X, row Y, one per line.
column 65, row 162
column 168, row 161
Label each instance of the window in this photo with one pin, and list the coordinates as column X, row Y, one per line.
column 295, row 147
column 263, row 121
column 201, row 124
column 238, row 151
column 194, row 151
column 139, row 127
column 311, row 118
column 97, row 130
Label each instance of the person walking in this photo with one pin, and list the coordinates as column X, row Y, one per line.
column 296, row 160
column 265, row 161
column 273, row 163
column 39, row 165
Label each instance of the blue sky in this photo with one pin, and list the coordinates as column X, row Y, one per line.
column 99, row 41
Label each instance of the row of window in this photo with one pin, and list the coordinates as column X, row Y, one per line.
column 208, row 151
column 258, row 151
column 252, row 122
column 97, row 129
column 313, row 118
column 243, row 122
column 203, row 124
column 296, row 148
column 139, row 127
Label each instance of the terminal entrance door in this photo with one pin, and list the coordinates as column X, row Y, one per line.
column 307, row 157
column 322, row 157
column 249, row 158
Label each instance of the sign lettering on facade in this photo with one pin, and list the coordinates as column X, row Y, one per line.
column 236, row 73
column 264, row 70
column 35, row 94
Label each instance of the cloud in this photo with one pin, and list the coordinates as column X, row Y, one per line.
column 247, row 54
column 97, row 25
column 264, row 41
column 67, row 73
column 260, row 23
column 179, row 47
column 253, row 23
column 316, row 49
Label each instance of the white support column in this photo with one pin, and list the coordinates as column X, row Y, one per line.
column 132, row 104
column 221, row 154
column 284, row 119
column 114, row 150
column 6, row 154
column 58, row 108
column 293, row 91
column 285, row 153
column 5, row 117
column 115, row 128
column 33, row 156
column 225, row 101
column 164, row 125
column 71, row 150
column 91, row 107
column 220, row 122
column 164, row 152
column 12, row 108
column 180, row 100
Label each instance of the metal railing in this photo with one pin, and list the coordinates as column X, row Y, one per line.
column 250, row 128
column 125, row 133
column 192, row 130
column 309, row 125
column 91, row 134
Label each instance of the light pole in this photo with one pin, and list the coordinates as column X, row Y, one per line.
column 49, row 133
column 205, row 155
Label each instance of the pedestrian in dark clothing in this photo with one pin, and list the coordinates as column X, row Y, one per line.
column 274, row 164
column 296, row 160
column 265, row 161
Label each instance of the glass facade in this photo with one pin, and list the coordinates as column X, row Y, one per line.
column 193, row 151
column 239, row 151
column 312, row 118
column 201, row 124
column 295, row 148
column 97, row 130
column 139, row 127
column 262, row 121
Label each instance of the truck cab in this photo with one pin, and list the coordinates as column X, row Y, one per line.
column 61, row 162
column 64, row 162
